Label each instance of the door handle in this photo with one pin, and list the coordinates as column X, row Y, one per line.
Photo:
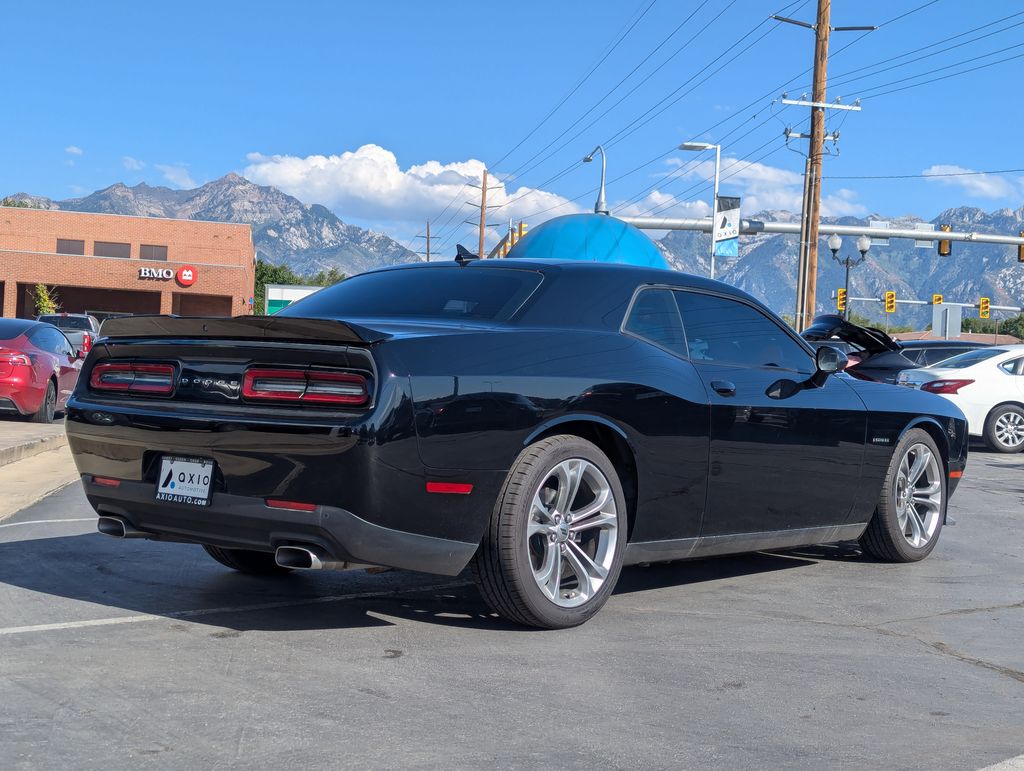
column 724, row 387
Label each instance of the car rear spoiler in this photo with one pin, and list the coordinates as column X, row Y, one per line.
column 281, row 328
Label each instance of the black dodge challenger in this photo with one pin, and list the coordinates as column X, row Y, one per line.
column 546, row 421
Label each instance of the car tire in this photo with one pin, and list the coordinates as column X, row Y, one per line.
column 551, row 559
column 911, row 509
column 1004, row 428
column 48, row 408
column 259, row 563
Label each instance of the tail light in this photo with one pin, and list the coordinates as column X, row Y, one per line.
column 14, row 358
column 305, row 386
column 945, row 386
column 86, row 342
column 131, row 377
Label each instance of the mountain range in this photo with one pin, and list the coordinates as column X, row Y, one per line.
column 309, row 238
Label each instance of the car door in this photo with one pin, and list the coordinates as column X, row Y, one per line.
column 784, row 454
column 68, row 367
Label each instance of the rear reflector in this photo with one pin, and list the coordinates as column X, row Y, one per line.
column 307, row 386
column 106, row 482
column 955, row 474
column 157, row 379
column 945, row 386
column 453, row 488
column 274, row 503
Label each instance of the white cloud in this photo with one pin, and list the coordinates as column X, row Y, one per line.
column 369, row 184
column 765, row 187
column 978, row 185
column 73, row 150
column 132, row 164
column 176, row 174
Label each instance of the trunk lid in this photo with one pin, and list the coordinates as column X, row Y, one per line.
column 871, row 340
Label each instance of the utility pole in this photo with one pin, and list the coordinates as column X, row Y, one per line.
column 483, row 213
column 428, row 241
column 807, row 271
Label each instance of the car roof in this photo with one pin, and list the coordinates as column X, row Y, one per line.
column 952, row 343
column 11, row 328
column 618, row 271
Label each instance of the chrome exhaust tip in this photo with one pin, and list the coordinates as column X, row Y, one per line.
column 309, row 558
column 116, row 527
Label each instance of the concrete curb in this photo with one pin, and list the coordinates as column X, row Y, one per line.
column 31, row 447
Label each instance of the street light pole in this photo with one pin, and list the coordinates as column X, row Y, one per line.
column 600, row 207
column 834, row 244
column 698, row 147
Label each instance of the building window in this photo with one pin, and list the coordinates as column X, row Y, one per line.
column 152, row 252
column 70, row 246
column 110, row 249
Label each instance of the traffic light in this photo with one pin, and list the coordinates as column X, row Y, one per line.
column 890, row 302
column 983, row 308
column 936, row 299
column 945, row 245
column 841, row 299
column 1020, row 249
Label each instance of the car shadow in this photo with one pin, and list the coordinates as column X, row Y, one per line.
column 180, row 582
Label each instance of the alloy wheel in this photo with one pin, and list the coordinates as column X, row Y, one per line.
column 918, row 495
column 572, row 532
column 1009, row 429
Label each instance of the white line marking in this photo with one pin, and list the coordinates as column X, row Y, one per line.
column 198, row 613
column 48, row 521
column 1010, row 764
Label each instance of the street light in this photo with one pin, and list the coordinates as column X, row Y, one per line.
column 834, row 244
column 600, row 207
column 700, row 147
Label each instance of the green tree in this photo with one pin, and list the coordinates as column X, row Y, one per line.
column 15, row 203
column 46, row 300
column 268, row 273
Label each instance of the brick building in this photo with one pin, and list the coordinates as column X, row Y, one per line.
column 108, row 263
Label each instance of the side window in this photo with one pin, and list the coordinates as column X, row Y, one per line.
column 655, row 317
column 723, row 330
column 1013, row 366
column 935, row 355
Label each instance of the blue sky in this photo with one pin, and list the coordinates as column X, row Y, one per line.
column 382, row 111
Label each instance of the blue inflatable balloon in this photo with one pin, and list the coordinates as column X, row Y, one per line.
column 594, row 237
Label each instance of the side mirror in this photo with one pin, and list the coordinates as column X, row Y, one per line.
column 828, row 361
column 80, row 353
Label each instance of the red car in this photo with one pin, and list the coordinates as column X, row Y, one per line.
column 38, row 369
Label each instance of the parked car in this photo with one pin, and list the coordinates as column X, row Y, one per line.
column 80, row 328
column 546, row 421
column 879, row 357
column 38, row 369
column 988, row 386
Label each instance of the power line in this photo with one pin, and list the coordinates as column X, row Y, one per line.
column 869, row 95
column 929, row 176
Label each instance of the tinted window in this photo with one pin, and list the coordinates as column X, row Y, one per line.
column 49, row 340
column 67, row 322
column 971, row 358
column 723, row 330
column 930, row 356
column 152, row 252
column 70, row 246
column 655, row 317
column 12, row 328
column 110, row 249
column 483, row 294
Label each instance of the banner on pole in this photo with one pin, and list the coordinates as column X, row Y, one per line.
column 727, row 227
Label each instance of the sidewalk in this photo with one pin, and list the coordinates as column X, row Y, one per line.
column 20, row 440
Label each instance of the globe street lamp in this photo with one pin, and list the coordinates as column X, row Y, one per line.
column 834, row 244
column 699, row 147
column 600, row 207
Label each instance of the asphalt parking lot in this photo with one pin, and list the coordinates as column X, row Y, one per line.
column 120, row 654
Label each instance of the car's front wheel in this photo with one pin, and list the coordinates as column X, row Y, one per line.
column 1004, row 429
column 912, row 504
column 553, row 550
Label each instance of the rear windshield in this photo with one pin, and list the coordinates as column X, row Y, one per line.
column 482, row 294
column 67, row 322
column 970, row 358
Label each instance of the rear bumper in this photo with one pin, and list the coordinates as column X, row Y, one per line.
column 242, row 522
column 18, row 395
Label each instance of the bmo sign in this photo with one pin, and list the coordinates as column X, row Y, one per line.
column 186, row 275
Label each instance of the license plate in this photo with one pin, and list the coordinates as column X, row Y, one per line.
column 185, row 480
